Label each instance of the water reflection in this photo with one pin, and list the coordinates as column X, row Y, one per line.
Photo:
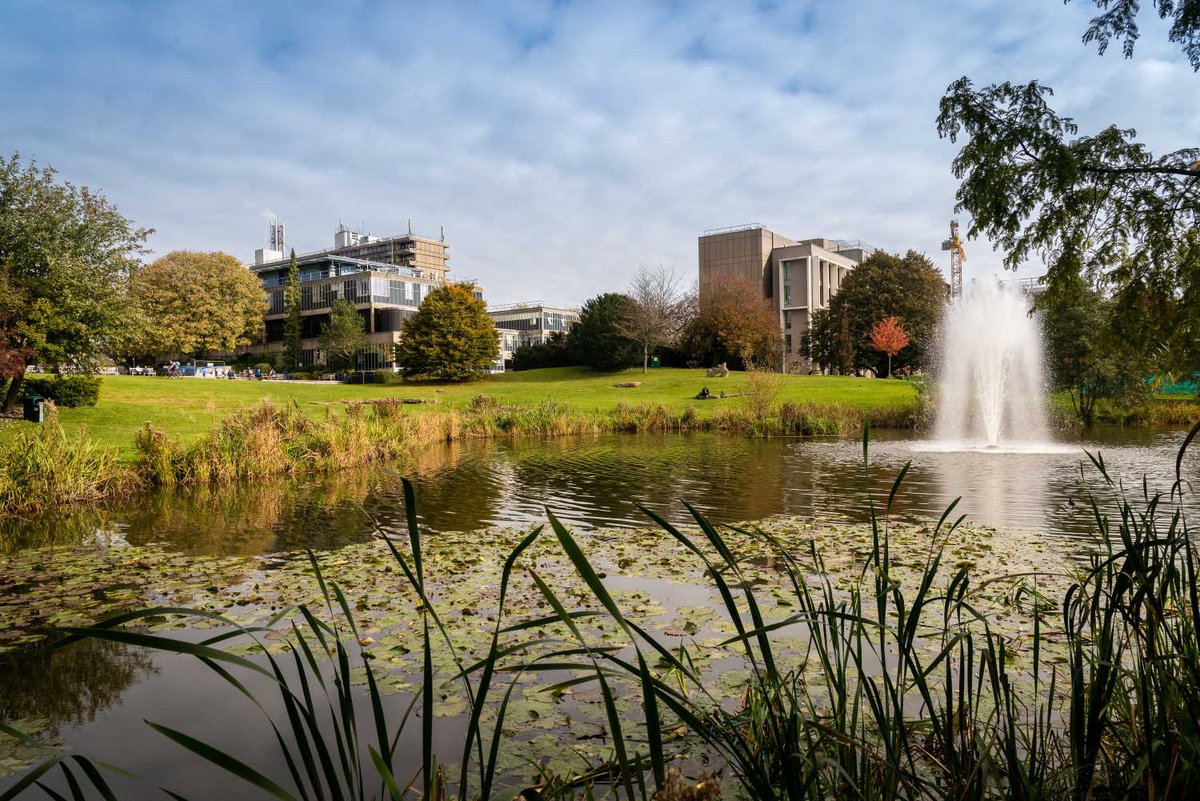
column 69, row 686
column 600, row 481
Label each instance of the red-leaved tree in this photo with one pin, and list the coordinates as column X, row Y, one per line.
column 887, row 336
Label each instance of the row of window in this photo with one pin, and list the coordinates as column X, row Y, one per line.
column 359, row 290
column 544, row 322
column 384, row 320
column 372, row 357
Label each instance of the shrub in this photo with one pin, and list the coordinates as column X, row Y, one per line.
column 387, row 378
column 69, row 391
column 481, row 404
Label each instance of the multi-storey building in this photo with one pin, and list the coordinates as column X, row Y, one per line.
column 529, row 323
column 796, row 277
column 385, row 278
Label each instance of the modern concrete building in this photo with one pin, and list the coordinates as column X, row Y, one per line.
column 529, row 323
column 386, row 279
column 796, row 276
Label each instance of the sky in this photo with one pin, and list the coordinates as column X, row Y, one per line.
column 560, row 146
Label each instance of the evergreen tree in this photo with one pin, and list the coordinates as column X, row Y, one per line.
column 450, row 338
column 293, row 324
column 597, row 340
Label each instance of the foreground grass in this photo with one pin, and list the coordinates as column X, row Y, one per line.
column 188, row 408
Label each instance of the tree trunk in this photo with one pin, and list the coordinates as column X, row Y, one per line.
column 14, row 389
column 889, row 375
column 645, row 359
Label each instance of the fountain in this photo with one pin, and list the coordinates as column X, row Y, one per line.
column 991, row 389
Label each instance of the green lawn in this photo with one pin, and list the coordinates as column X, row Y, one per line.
column 189, row 406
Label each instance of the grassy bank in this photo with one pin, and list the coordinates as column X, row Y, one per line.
column 46, row 467
column 188, row 408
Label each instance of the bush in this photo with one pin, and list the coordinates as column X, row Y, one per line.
column 484, row 404
column 387, row 377
column 70, row 391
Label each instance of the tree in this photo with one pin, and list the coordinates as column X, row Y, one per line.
column 1101, row 205
column 733, row 323
column 887, row 336
column 66, row 256
column 1119, row 21
column 194, row 303
column 451, row 337
column 293, row 324
column 344, row 335
column 1087, row 355
column 597, row 339
column 554, row 352
column 652, row 317
column 1037, row 190
column 907, row 287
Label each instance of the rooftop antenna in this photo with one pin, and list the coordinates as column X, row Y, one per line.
column 410, row 226
column 443, row 233
column 276, row 238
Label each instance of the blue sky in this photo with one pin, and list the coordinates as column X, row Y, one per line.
column 561, row 145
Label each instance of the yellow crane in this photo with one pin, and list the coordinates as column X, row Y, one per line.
column 957, row 257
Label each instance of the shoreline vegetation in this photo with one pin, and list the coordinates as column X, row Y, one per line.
column 80, row 456
column 222, row 432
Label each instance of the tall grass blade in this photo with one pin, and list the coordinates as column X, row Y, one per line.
column 223, row 760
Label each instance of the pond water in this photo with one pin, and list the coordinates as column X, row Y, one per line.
column 599, row 482
column 95, row 696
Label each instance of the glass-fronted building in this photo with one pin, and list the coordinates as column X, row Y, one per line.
column 532, row 324
column 386, row 289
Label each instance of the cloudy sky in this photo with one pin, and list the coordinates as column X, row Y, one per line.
column 561, row 145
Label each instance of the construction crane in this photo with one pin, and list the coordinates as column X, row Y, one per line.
column 957, row 257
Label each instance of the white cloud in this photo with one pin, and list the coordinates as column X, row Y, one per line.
column 561, row 145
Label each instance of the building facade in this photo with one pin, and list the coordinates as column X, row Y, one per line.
column 529, row 323
column 386, row 278
column 797, row 277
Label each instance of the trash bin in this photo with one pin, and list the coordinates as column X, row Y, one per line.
column 655, row 361
column 35, row 409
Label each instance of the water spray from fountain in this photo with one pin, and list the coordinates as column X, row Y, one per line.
column 991, row 390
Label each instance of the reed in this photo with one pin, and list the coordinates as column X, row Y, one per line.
column 45, row 468
column 268, row 440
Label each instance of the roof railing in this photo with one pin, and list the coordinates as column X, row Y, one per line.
column 733, row 228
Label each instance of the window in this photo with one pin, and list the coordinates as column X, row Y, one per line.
column 787, row 319
column 787, row 271
column 787, row 342
column 787, row 293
